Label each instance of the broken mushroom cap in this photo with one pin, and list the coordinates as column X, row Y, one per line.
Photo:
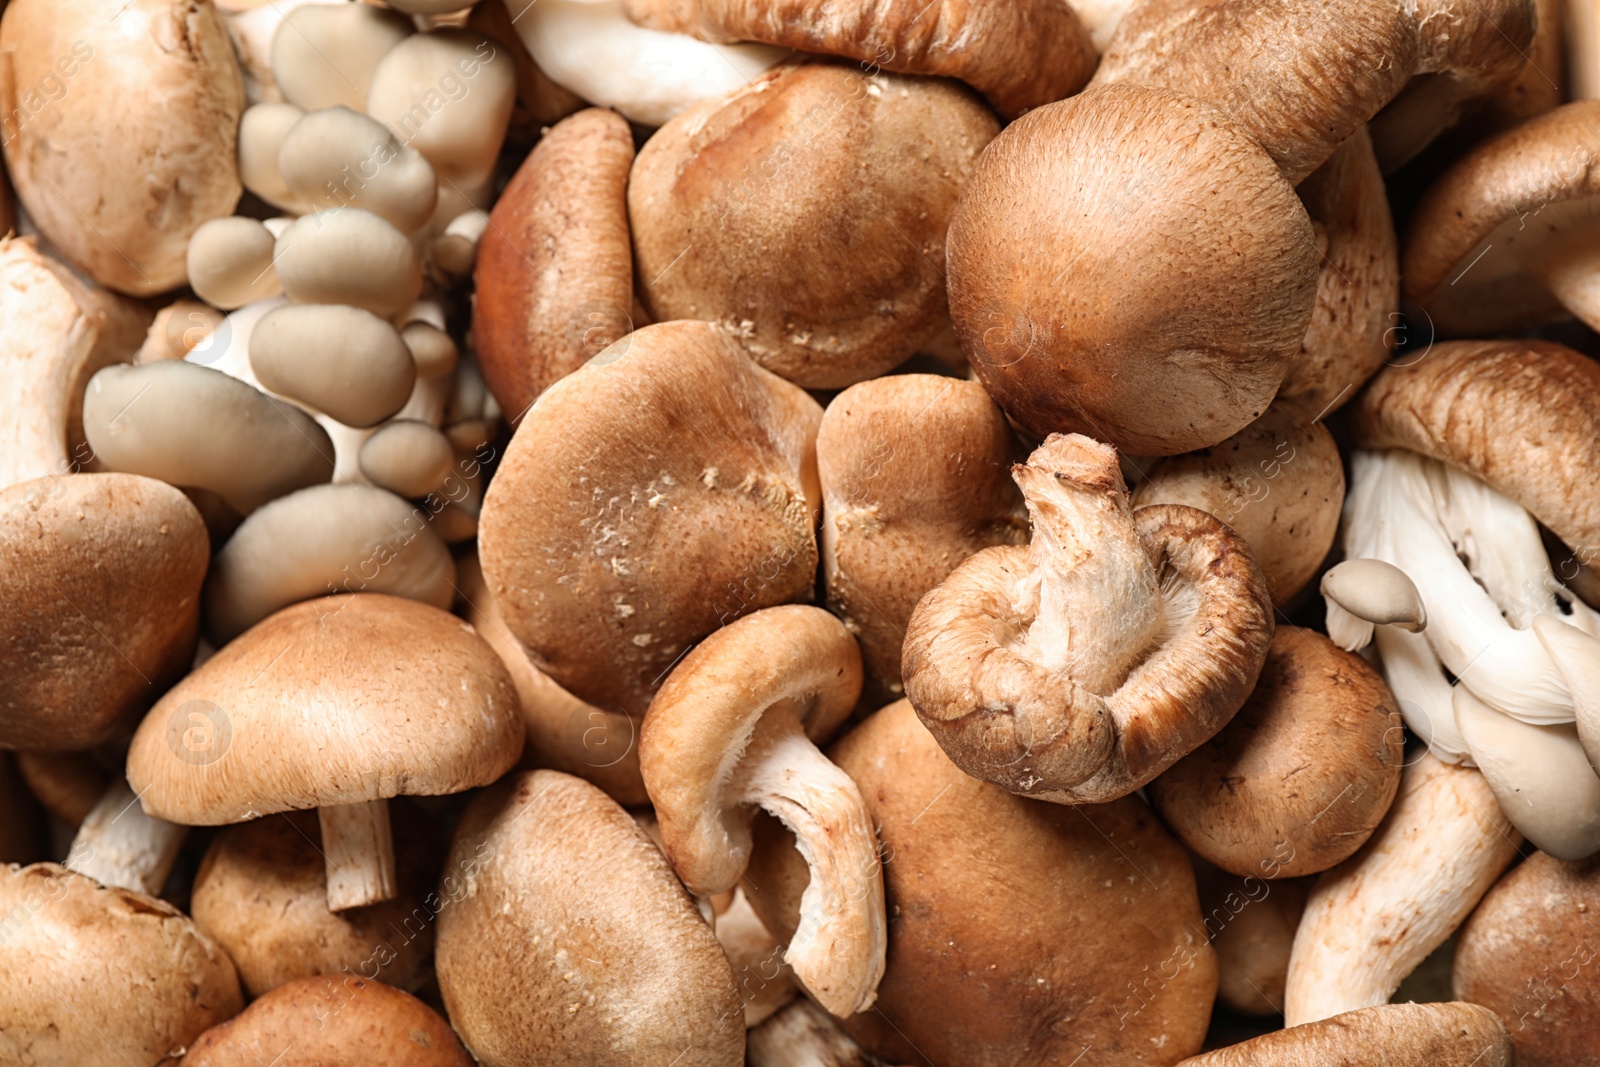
column 168, row 73
column 873, row 187
column 1401, row 1035
column 345, row 255
column 1078, row 668
column 1277, row 483
column 1251, row 923
column 230, row 262
column 915, row 472
column 324, row 55
column 608, row 555
column 554, row 275
column 102, row 575
column 1135, row 189
column 142, row 980
column 331, row 1019
column 735, row 727
column 556, row 901
column 342, row 361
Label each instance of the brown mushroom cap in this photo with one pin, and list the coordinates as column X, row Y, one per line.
column 1399, row 1035
column 1304, row 772
column 261, row 892
column 330, row 702
column 567, row 941
column 1528, row 952
column 97, row 975
column 915, row 472
column 101, row 576
column 555, row 266
column 1251, row 923
column 806, row 213
column 22, row 825
column 328, row 1020
column 609, row 553
column 1019, row 932
column 1131, row 190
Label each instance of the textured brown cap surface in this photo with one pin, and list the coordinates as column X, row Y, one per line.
column 1251, row 923
column 1397, row 1035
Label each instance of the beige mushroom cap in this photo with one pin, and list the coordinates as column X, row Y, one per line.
column 566, row 940
column 608, row 553
column 97, row 975
column 344, row 362
column 1398, row 1035
column 100, row 575
column 1131, row 190
column 330, row 702
column 324, row 54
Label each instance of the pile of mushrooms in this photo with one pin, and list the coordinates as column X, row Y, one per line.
column 800, row 533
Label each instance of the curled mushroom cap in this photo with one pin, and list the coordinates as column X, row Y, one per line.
column 810, row 163
column 1078, row 668
column 345, row 255
column 609, row 554
column 735, row 727
column 556, row 900
column 342, row 361
column 554, row 277
column 324, row 54
column 1131, row 189
column 338, row 157
column 1404, row 1035
column 334, row 1019
column 140, row 979
column 121, row 199
column 1278, row 483
column 101, row 573
column 915, row 474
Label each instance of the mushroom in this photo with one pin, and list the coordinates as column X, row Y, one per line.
column 587, row 496
column 1120, row 187
column 432, row 349
column 1301, row 776
column 101, row 577
column 566, row 940
column 554, row 277
column 337, row 157
column 1078, row 668
column 765, row 981
column 230, row 262
column 803, row 1035
column 261, row 893
column 121, row 847
column 1528, row 953
column 67, row 784
column 342, row 361
column 1402, row 1035
column 814, row 164
column 1503, row 239
column 1277, row 483
column 97, row 975
column 455, row 251
column 262, row 130
column 326, row 1020
column 540, row 102
column 22, row 828
column 966, row 986
column 1251, row 922
column 1583, row 46
column 734, row 728
column 345, row 255
column 915, row 478
column 407, row 457
column 121, row 199
column 308, row 711
column 311, row 35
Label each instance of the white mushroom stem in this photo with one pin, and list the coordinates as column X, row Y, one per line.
column 1423, row 693
column 120, row 846
column 358, row 852
column 1578, row 656
column 801, row 1035
column 1363, row 593
column 1570, row 269
column 839, row 944
column 1373, row 918
column 765, row 982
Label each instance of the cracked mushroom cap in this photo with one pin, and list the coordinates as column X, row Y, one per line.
column 1399, row 1035
column 101, row 576
column 1119, row 190
column 1504, row 239
column 1081, row 666
column 663, row 490
column 734, row 220
column 1302, row 775
column 335, row 701
column 566, row 940
column 97, row 975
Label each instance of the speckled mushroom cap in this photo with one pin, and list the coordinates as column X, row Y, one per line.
column 916, row 477
column 101, row 576
column 1522, row 416
column 97, row 975
column 319, row 1022
column 663, row 490
column 1078, row 668
column 1401, row 1035
column 334, row 701
column 1527, row 952
column 806, row 212
column 1304, row 772
column 1020, row 55
column 554, row 278
column 121, row 199
column 967, row 986
column 1131, row 190
column 1482, row 245
column 567, row 941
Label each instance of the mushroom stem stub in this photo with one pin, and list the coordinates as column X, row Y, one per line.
column 121, row 847
column 360, row 854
